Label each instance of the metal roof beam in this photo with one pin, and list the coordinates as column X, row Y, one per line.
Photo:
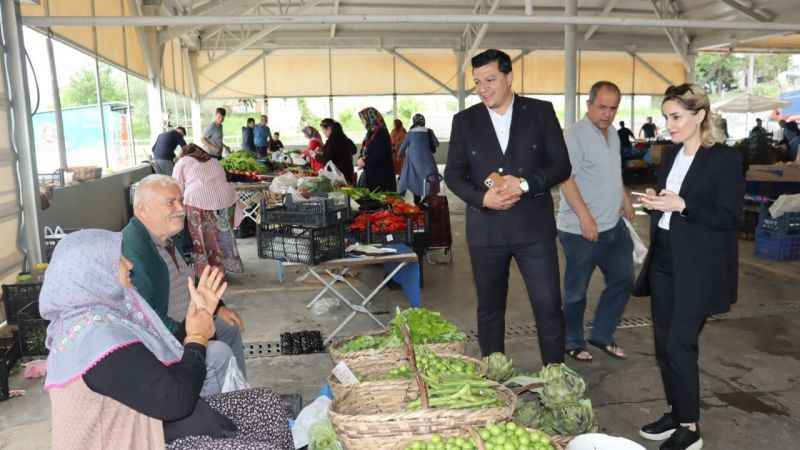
column 171, row 33
column 750, row 12
column 476, row 41
column 335, row 13
column 677, row 36
column 522, row 54
column 422, row 71
column 238, row 72
column 255, row 38
column 606, row 11
column 650, row 67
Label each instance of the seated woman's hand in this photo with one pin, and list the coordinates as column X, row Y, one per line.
column 199, row 325
column 209, row 289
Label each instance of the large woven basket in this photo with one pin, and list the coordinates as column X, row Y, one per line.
column 374, row 417
column 388, row 354
column 381, row 368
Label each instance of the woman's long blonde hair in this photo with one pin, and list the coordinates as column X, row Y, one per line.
column 695, row 99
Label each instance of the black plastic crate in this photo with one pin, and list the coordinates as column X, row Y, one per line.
column 370, row 237
column 293, row 404
column 18, row 296
column 301, row 343
column 305, row 245
column 9, row 355
column 316, row 212
column 32, row 332
column 52, row 239
column 749, row 222
column 246, row 229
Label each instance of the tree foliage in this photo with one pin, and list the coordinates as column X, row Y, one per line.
column 82, row 88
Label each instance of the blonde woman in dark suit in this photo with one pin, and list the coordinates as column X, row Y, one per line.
column 691, row 270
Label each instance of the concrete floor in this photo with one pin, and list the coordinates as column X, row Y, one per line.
column 749, row 360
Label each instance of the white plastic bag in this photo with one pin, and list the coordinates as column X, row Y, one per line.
column 331, row 172
column 597, row 441
column 639, row 249
column 311, row 414
column 785, row 203
column 283, row 183
column 234, row 378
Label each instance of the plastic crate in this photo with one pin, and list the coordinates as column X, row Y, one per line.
column 293, row 404
column 787, row 224
column 246, row 229
column 18, row 296
column 316, row 212
column 305, row 245
column 55, row 179
column 32, row 332
column 369, row 237
column 777, row 246
column 301, row 343
column 749, row 222
column 51, row 238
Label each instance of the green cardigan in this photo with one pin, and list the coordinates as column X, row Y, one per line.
column 150, row 274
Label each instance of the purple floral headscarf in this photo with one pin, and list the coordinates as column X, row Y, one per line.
column 91, row 314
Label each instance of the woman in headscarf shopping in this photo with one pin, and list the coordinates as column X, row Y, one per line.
column 417, row 152
column 376, row 159
column 118, row 379
column 311, row 153
column 397, row 136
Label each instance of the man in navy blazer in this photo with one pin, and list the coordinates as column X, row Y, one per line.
column 505, row 155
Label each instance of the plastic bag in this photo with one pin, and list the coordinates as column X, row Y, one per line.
column 311, row 414
column 283, row 183
column 785, row 203
column 331, row 172
column 324, row 306
column 234, row 378
column 597, row 441
column 639, row 249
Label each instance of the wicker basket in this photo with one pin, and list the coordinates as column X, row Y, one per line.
column 380, row 368
column 374, row 417
column 558, row 442
column 388, row 354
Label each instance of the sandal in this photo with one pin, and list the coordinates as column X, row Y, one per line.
column 612, row 349
column 575, row 352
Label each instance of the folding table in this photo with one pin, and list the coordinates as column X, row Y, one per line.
column 345, row 264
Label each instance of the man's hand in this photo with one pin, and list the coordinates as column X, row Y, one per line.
column 588, row 228
column 230, row 317
column 360, row 163
column 627, row 207
column 209, row 289
column 512, row 184
column 499, row 198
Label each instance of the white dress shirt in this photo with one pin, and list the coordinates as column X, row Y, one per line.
column 675, row 180
column 502, row 125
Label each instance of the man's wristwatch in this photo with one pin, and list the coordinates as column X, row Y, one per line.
column 523, row 185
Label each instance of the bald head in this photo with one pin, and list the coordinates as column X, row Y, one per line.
column 158, row 204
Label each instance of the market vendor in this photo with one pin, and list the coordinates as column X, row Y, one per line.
column 161, row 271
column 118, row 379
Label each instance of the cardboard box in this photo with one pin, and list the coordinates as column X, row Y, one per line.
column 774, row 172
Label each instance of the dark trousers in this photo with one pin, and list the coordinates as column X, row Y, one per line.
column 612, row 254
column 676, row 337
column 538, row 264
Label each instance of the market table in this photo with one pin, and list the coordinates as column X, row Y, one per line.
column 344, row 265
column 251, row 194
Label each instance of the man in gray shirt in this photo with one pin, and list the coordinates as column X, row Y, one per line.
column 590, row 228
column 212, row 136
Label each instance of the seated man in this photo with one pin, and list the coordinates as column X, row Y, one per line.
column 161, row 273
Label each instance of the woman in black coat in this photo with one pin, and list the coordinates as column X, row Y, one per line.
column 377, row 153
column 691, row 270
column 338, row 148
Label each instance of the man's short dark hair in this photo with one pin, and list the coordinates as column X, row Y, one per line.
column 490, row 56
column 277, row 134
column 182, row 130
column 597, row 87
column 622, row 123
column 221, row 111
column 250, row 120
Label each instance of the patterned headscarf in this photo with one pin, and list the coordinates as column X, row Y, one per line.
column 372, row 118
column 418, row 120
column 311, row 133
column 91, row 314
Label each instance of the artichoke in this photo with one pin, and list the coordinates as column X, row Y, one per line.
column 529, row 413
column 500, row 368
column 573, row 418
column 561, row 385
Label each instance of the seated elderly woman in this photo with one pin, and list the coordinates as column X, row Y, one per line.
column 118, row 379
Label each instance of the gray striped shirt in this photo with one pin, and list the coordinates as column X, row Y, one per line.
column 178, row 291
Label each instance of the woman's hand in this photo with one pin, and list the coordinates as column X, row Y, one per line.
column 199, row 325
column 208, row 291
column 665, row 201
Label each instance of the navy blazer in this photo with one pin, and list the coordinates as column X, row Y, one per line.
column 705, row 247
column 536, row 152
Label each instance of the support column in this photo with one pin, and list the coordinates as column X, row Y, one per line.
column 153, row 53
column 62, row 148
column 99, row 89
column 23, row 129
column 462, row 91
column 197, row 122
column 570, row 65
column 155, row 112
column 690, row 74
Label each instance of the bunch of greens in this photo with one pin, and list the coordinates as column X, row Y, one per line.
column 427, row 327
column 315, row 185
column 242, row 161
column 559, row 407
column 369, row 342
column 500, row 367
column 323, row 437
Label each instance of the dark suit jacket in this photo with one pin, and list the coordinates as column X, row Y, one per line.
column 705, row 249
column 536, row 152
